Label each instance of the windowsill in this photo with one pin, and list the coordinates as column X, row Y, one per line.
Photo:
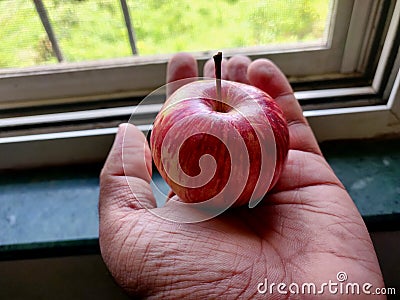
column 55, row 225
column 57, row 208
column 369, row 169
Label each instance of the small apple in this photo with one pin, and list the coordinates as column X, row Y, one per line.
column 220, row 140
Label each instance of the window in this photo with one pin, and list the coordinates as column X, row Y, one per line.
column 302, row 27
column 347, row 76
column 78, row 31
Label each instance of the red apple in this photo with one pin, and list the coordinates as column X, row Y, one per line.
column 228, row 146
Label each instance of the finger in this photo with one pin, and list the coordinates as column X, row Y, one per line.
column 209, row 69
column 265, row 75
column 181, row 69
column 237, row 68
column 125, row 177
column 130, row 154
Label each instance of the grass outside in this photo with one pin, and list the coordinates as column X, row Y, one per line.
column 90, row 29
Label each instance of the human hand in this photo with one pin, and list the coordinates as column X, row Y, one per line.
column 306, row 231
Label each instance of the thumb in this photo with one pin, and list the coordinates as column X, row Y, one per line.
column 126, row 175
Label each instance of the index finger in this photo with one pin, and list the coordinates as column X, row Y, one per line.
column 181, row 69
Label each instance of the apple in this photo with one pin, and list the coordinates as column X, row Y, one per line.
column 220, row 141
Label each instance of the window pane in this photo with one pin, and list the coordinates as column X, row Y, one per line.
column 89, row 29
column 23, row 39
column 95, row 29
column 171, row 26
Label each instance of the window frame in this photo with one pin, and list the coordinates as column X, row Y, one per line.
column 137, row 76
column 92, row 145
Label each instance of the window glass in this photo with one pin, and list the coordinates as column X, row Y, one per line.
column 171, row 26
column 23, row 38
column 93, row 29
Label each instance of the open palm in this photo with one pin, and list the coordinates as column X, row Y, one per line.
column 306, row 231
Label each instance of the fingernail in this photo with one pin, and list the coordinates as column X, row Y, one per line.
column 121, row 128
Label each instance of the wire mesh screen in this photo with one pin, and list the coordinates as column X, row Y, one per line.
column 97, row 29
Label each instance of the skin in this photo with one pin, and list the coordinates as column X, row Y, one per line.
column 307, row 229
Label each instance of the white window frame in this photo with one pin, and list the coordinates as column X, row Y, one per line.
column 92, row 145
column 138, row 76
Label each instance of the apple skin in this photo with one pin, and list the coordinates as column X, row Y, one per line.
column 245, row 109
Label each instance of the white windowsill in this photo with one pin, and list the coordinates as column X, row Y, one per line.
column 88, row 146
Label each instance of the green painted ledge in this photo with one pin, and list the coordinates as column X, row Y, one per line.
column 370, row 171
column 53, row 212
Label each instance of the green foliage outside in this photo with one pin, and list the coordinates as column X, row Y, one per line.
column 90, row 29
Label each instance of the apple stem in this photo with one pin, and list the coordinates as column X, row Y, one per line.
column 218, row 62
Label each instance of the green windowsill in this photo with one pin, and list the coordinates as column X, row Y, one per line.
column 370, row 171
column 54, row 212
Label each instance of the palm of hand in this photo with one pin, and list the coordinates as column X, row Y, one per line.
column 307, row 230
